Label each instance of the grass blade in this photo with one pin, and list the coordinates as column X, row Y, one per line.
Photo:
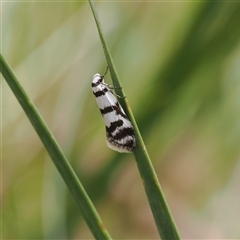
column 163, row 219
column 89, row 212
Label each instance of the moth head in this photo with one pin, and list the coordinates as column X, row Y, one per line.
column 97, row 79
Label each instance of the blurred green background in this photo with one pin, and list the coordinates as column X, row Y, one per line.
column 179, row 65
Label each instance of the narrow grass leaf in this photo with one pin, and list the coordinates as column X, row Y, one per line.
column 163, row 218
column 89, row 212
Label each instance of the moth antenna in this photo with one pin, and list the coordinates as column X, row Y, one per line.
column 105, row 72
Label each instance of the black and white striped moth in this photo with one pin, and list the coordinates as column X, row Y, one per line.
column 119, row 130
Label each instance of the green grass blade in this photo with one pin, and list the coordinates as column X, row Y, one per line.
column 89, row 212
column 163, row 219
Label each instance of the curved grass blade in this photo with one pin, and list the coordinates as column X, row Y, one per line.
column 163, row 218
column 88, row 211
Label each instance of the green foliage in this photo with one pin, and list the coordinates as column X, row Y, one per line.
column 75, row 187
column 179, row 65
column 157, row 202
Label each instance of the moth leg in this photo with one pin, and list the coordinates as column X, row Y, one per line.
column 111, row 86
column 116, row 94
column 119, row 96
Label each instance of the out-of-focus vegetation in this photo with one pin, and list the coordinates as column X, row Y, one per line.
column 179, row 65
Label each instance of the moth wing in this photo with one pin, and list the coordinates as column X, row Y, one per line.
column 119, row 130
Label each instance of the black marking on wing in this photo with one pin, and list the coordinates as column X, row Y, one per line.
column 100, row 92
column 128, row 142
column 122, row 133
column 114, row 126
column 119, row 110
column 112, row 108
column 124, row 138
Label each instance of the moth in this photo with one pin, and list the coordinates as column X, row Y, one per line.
column 119, row 130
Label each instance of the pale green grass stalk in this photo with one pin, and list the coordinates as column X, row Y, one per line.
column 163, row 218
column 89, row 213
